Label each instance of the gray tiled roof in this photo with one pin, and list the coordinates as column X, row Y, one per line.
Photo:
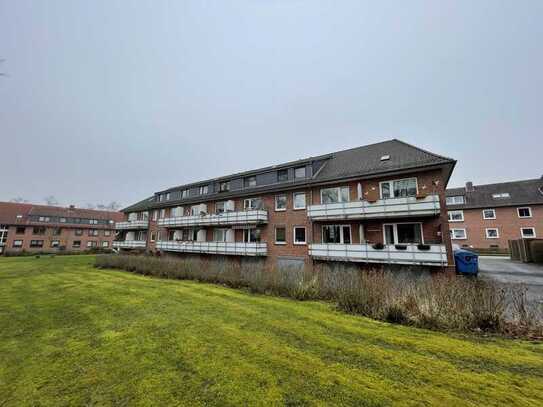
column 359, row 161
column 525, row 192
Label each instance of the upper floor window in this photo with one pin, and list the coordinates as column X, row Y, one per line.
column 455, row 200
column 185, row 193
column 220, row 207
column 38, row 230
column 281, row 202
column 168, row 196
column 455, row 216
column 336, row 234
column 399, row 188
column 282, row 175
column 501, row 195
column 204, row 189
column 252, row 203
column 458, row 234
column 20, row 230
column 335, row 195
column 224, row 186
column 249, row 181
column 524, row 212
column 489, row 214
column 299, row 172
column 527, row 233
column 299, row 200
column 251, row 235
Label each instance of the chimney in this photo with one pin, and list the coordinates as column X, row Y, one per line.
column 469, row 186
column 72, row 206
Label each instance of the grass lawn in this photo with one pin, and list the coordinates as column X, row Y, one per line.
column 73, row 335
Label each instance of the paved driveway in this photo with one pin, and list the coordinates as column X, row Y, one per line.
column 506, row 271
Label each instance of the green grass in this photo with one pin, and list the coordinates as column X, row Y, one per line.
column 74, row 335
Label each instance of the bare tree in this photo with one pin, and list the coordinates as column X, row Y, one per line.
column 19, row 199
column 91, row 206
column 114, row 205
column 51, row 200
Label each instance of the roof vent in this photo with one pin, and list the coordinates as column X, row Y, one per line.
column 385, row 157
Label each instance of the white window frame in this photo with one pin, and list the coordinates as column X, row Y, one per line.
column 395, row 231
column 453, row 237
column 492, row 237
column 294, row 235
column 294, row 194
column 451, row 200
column 340, row 196
column 184, row 193
column 449, row 213
column 247, row 234
column 275, row 234
column 527, row 237
column 204, row 189
column 17, row 243
column 286, row 203
column 391, row 186
column 501, row 195
column 105, row 243
column 341, row 240
column 489, row 209
column 248, row 203
column 223, row 231
column 524, row 217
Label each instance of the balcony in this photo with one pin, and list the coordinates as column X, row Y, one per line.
column 382, row 208
column 435, row 256
column 132, row 224
column 251, row 217
column 129, row 244
column 228, row 248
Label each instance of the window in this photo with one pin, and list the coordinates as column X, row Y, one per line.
column 79, row 232
column 62, row 220
column 57, row 231
column 335, row 195
column 38, row 230
column 527, row 233
column 282, row 175
column 219, row 207
column 501, row 195
column 155, row 215
column 299, row 235
column 251, row 235
column 105, row 243
column 299, row 200
column 20, row 230
column 280, row 235
column 93, row 232
column 224, row 186
column 458, row 234
column 492, row 233
column 76, row 244
column 524, row 212
column 249, row 181
column 44, row 219
column 93, row 222
column 168, row 196
column 162, row 214
column 196, row 210
column 55, row 243
column 456, row 216
column 107, row 232
column 153, row 236
column 336, row 234
column 204, row 189
column 17, row 244
column 36, row 243
column 92, row 243
column 184, row 193
column 403, row 233
column 281, row 202
column 489, row 214
column 299, row 172
column 398, row 188
column 219, row 235
column 455, row 200
column 252, row 203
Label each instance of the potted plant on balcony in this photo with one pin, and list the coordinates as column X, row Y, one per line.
column 378, row 246
column 423, row 247
column 400, row 246
column 420, row 196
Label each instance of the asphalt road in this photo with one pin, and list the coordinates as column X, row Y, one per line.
column 504, row 270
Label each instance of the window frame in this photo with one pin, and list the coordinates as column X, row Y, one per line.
column 247, row 235
column 492, row 237
column 282, row 171
column 251, row 200
column 455, row 211
column 341, row 236
column 303, row 167
column 489, row 209
column 529, row 211
column 395, row 231
column 340, row 195
column 452, row 230
column 294, row 235
column 296, row 208
column 249, row 182
column 17, row 230
column 527, row 237
column 34, row 246
column 224, row 186
column 453, row 198
column 78, row 246
column 286, row 202
column 204, row 189
column 14, row 246
column 284, row 242
column 391, row 186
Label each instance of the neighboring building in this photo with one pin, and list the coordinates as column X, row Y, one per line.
column 488, row 216
column 341, row 206
column 40, row 228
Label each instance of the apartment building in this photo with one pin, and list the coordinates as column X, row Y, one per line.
column 39, row 228
column 488, row 216
column 383, row 204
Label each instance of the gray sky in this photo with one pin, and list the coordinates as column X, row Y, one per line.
column 113, row 100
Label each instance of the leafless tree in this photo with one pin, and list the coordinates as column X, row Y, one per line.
column 51, row 200
column 19, row 199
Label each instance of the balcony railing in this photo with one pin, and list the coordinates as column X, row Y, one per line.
column 227, row 218
column 132, row 224
column 129, row 244
column 382, row 208
column 229, row 248
column 435, row 256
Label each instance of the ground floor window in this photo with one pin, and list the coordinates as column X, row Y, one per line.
column 76, row 244
column 251, row 235
column 403, row 233
column 458, row 234
column 527, row 233
column 17, row 243
column 336, row 234
column 55, row 243
column 92, row 243
column 36, row 243
column 492, row 233
column 299, row 235
column 105, row 243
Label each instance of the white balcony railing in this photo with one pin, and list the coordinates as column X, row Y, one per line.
column 132, row 224
column 129, row 244
column 227, row 218
column 435, row 256
column 231, row 248
column 383, row 208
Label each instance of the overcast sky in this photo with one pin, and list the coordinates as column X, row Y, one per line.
column 113, row 100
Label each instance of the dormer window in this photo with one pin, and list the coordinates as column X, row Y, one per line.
column 455, row 200
column 299, row 172
column 185, row 193
column 224, row 186
column 249, row 182
column 167, row 196
column 282, row 175
column 204, row 189
column 501, row 195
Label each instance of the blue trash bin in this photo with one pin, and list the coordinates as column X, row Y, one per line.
column 466, row 262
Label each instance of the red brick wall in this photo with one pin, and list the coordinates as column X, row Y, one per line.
column 507, row 222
